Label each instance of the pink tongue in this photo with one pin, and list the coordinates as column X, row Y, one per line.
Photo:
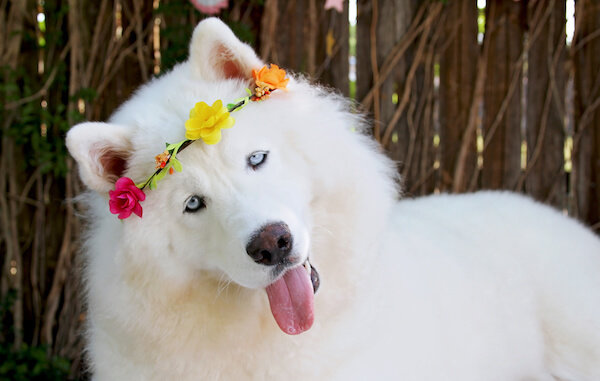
column 292, row 301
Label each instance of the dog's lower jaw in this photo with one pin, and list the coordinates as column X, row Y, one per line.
column 314, row 276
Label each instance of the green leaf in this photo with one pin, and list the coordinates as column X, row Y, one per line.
column 231, row 106
column 176, row 147
column 176, row 164
column 153, row 183
column 162, row 173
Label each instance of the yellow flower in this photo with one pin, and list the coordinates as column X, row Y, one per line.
column 207, row 121
column 270, row 77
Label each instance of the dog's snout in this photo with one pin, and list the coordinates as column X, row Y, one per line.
column 271, row 244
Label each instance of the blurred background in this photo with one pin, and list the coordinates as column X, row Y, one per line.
column 464, row 94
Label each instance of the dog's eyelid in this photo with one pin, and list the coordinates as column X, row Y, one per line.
column 194, row 203
column 257, row 158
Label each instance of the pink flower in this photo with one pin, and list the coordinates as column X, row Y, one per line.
column 125, row 199
column 211, row 7
column 338, row 5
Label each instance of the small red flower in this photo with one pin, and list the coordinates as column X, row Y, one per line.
column 125, row 199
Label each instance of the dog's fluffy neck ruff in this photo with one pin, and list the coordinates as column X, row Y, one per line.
column 193, row 317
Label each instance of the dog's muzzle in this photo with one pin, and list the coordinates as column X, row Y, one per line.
column 272, row 245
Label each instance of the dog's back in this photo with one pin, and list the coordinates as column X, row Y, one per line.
column 488, row 286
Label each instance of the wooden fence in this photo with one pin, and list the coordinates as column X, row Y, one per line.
column 460, row 106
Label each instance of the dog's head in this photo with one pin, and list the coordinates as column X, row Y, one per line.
column 240, row 210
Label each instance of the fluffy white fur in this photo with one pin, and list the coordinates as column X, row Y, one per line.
column 490, row 286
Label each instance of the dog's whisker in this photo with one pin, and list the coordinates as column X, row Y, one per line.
column 223, row 285
column 319, row 227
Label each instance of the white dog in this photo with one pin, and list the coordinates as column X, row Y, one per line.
column 490, row 286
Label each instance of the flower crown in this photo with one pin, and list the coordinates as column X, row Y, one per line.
column 205, row 123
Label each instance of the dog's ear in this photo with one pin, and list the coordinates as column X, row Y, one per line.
column 102, row 151
column 217, row 54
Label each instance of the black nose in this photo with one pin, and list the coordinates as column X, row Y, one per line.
column 271, row 244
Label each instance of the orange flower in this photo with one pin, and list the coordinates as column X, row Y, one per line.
column 270, row 78
column 161, row 159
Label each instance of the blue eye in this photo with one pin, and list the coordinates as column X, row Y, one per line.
column 257, row 158
column 194, row 204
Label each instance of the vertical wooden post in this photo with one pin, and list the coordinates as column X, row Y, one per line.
column 586, row 145
column 395, row 70
column 333, row 65
column 546, row 102
column 502, row 98
column 457, row 87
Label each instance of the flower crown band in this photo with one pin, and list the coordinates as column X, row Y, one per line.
column 205, row 123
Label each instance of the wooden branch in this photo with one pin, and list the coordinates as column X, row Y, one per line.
column 469, row 133
column 115, row 67
column 268, row 25
column 311, row 38
column 539, row 141
column 375, row 68
column 44, row 90
column 139, row 42
column 100, row 24
column 409, row 78
column 516, row 75
column 63, row 265
column 37, row 254
column 396, row 53
column 551, row 95
column 584, row 41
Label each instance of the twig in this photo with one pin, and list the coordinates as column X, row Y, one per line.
column 584, row 41
column 539, row 142
column 409, row 78
column 469, row 133
column 375, row 68
column 139, row 42
column 100, row 24
column 44, row 89
column 396, row 53
column 268, row 25
column 516, row 74
column 311, row 40
column 63, row 265
column 551, row 94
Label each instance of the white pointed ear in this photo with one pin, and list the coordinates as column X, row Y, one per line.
column 217, row 54
column 102, row 151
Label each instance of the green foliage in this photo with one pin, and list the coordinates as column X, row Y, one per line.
column 37, row 131
column 178, row 34
column 26, row 363
column 31, row 364
column 481, row 21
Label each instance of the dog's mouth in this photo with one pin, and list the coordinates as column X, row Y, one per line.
column 291, row 298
